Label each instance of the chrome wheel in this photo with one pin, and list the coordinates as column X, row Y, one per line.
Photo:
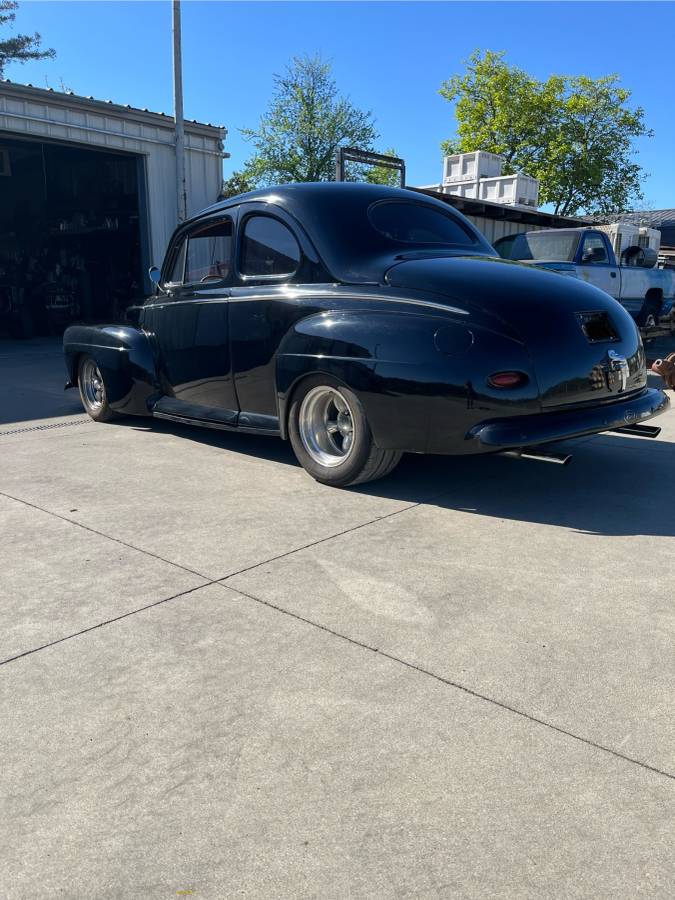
column 326, row 426
column 92, row 385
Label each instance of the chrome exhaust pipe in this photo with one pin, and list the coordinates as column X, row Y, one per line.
column 541, row 455
column 650, row 431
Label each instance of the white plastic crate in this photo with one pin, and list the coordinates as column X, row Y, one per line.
column 512, row 190
column 471, row 166
column 468, row 189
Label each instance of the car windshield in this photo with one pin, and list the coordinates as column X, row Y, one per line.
column 417, row 223
column 560, row 246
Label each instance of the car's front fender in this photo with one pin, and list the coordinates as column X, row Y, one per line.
column 124, row 357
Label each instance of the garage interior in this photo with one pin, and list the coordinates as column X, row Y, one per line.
column 70, row 235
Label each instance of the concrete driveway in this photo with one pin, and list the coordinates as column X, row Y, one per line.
column 222, row 679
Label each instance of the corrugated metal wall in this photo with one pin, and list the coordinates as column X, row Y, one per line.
column 493, row 229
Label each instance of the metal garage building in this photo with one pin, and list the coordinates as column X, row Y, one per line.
column 88, row 202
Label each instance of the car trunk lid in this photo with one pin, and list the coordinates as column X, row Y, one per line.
column 583, row 345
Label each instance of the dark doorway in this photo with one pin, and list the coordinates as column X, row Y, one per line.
column 70, row 241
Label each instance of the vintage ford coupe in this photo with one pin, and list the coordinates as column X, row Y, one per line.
column 360, row 322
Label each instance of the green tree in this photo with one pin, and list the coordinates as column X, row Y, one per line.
column 19, row 47
column 574, row 134
column 307, row 121
column 238, row 183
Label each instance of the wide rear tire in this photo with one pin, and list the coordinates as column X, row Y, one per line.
column 330, row 435
column 92, row 391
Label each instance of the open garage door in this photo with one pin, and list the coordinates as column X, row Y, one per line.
column 70, row 235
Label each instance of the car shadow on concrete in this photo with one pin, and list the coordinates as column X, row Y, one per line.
column 614, row 485
column 32, row 378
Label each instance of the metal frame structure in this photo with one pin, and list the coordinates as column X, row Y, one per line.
column 353, row 154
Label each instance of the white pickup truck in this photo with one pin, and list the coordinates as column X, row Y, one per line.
column 586, row 253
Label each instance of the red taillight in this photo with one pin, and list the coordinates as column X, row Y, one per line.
column 507, row 379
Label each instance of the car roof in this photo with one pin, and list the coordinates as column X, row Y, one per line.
column 334, row 215
column 320, row 192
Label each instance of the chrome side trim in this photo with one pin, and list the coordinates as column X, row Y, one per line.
column 79, row 345
column 367, row 360
column 303, row 294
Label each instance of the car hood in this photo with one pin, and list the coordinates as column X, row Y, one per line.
column 538, row 307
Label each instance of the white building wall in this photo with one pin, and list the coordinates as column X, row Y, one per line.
column 49, row 115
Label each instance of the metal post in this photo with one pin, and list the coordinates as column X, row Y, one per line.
column 181, row 185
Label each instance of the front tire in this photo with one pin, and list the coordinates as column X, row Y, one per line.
column 92, row 391
column 331, row 438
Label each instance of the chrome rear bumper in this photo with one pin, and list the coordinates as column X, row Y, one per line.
column 526, row 431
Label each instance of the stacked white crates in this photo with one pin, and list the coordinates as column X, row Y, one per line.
column 477, row 176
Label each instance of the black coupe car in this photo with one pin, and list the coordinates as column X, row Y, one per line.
column 360, row 322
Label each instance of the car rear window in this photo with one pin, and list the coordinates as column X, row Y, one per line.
column 417, row 223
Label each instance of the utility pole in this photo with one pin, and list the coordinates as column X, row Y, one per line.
column 181, row 185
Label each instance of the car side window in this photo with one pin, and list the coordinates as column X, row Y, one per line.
column 178, row 268
column 594, row 251
column 209, row 253
column 268, row 248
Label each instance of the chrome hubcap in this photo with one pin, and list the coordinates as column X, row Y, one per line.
column 92, row 385
column 326, row 426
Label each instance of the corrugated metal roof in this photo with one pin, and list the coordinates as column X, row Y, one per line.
column 653, row 218
column 98, row 105
column 503, row 212
column 663, row 219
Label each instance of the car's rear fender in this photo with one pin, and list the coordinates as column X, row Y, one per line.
column 124, row 357
column 422, row 379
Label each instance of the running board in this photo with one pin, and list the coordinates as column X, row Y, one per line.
column 541, row 455
column 211, row 423
column 649, row 431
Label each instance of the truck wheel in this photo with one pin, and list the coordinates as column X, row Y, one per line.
column 648, row 315
column 93, row 392
column 331, row 437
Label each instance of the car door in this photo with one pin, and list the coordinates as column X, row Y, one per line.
column 190, row 323
column 595, row 264
column 271, row 260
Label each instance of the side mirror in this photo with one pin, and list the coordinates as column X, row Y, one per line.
column 154, row 274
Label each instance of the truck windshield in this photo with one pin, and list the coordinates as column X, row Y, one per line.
column 558, row 247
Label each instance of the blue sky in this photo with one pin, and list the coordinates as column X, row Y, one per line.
column 388, row 57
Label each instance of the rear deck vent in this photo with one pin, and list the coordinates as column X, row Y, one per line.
column 597, row 327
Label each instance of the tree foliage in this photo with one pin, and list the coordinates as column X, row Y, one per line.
column 306, row 122
column 573, row 133
column 19, row 47
column 238, row 183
